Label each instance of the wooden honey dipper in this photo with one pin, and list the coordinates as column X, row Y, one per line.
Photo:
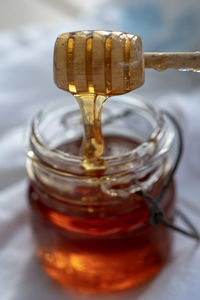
column 110, row 62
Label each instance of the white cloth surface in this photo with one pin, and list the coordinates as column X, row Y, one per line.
column 26, row 85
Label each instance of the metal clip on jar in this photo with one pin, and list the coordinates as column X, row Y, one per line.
column 92, row 232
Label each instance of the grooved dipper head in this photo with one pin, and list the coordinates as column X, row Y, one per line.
column 100, row 62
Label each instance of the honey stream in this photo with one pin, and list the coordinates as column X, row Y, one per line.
column 91, row 106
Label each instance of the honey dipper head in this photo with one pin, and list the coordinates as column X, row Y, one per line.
column 100, row 62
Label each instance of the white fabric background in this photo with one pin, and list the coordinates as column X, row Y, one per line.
column 25, row 85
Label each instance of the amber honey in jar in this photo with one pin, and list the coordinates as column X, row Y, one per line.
column 91, row 229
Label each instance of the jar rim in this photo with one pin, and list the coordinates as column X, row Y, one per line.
column 156, row 146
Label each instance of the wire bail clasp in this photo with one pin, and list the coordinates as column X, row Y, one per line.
column 156, row 215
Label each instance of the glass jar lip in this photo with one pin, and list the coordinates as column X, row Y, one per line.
column 145, row 153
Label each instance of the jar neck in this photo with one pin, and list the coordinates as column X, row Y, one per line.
column 145, row 163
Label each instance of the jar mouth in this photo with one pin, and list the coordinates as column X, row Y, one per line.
column 154, row 146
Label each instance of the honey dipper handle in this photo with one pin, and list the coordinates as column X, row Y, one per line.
column 182, row 61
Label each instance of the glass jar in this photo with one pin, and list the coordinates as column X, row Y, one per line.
column 91, row 230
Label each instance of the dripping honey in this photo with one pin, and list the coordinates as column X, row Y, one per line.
column 81, row 83
column 91, row 106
